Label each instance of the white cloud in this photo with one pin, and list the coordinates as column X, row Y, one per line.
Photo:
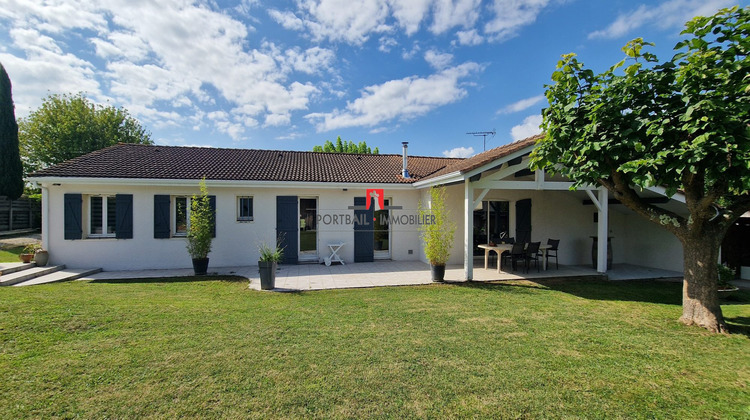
column 410, row 13
column 156, row 61
column 459, row 152
column 398, row 99
column 670, row 14
column 521, row 105
column 511, row 15
column 287, row 19
column 438, row 60
column 337, row 20
column 448, row 14
column 529, row 127
column 470, row 37
column 45, row 69
column 386, row 44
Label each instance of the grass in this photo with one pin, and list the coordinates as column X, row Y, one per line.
column 10, row 254
column 214, row 348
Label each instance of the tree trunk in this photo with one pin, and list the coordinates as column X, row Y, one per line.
column 700, row 299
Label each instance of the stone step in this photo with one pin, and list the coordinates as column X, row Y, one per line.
column 8, row 268
column 28, row 274
column 67, row 274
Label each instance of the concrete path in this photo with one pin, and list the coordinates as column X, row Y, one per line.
column 380, row 273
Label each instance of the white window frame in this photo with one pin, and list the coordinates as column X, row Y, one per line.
column 174, row 213
column 105, row 199
column 240, row 218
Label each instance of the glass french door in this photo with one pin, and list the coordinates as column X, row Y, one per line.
column 308, row 229
column 382, row 245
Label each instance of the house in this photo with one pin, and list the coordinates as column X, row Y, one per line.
column 126, row 207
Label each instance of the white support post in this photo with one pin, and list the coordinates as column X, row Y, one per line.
column 45, row 217
column 481, row 197
column 468, row 230
column 539, row 179
column 603, row 231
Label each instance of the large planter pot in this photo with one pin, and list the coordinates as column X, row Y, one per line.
column 438, row 272
column 26, row 258
column 267, row 270
column 41, row 258
column 200, row 266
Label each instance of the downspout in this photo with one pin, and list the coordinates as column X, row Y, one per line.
column 404, row 167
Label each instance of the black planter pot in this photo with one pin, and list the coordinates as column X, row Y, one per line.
column 200, row 266
column 267, row 270
column 438, row 272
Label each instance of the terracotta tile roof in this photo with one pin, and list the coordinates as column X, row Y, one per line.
column 481, row 159
column 172, row 162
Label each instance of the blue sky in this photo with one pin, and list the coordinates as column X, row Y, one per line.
column 292, row 74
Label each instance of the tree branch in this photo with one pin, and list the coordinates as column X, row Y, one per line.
column 620, row 187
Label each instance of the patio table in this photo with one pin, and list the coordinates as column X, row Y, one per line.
column 500, row 248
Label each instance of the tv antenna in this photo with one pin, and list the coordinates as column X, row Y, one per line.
column 484, row 135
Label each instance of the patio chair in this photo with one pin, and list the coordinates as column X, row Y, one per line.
column 532, row 254
column 552, row 252
column 517, row 253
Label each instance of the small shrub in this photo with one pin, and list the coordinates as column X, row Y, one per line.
column 438, row 233
column 199, row 235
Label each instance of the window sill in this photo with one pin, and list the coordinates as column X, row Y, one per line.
column 245, row 220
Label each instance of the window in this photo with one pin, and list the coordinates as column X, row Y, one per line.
column 102, row 215
column 181, row 216
column 172, row 215
column 244, row 209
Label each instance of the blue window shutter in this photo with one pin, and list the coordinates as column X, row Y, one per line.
column 212, row 204
column 124, row 216
column 162, row 222
column 73, row 210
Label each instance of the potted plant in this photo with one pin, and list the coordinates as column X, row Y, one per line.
column 269, row 259
column 437, row 232
column 41, row 257
column 200, row 231
column 726, row 274
column 28, row 253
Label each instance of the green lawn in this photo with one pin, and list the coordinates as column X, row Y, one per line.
column 216, row 349
column 10, row 254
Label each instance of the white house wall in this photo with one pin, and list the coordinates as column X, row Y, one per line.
column 648, row 245
column 236, row 243
column 562, row 215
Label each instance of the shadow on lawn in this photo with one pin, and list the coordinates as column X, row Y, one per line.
column 186, row 279
column 636, row 291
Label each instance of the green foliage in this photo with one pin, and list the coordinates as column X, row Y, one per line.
column 68, row 126
column 11, row 168
column 343, row 146
column 31, row 248
column 438, row 233
column 726, row 274
column 200, row 231
column 656, row 124
column 268, row 254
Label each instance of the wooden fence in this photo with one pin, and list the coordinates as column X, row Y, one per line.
column 19, row 214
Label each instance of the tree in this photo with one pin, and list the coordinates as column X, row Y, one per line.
column 683, row 125
column 68, row 126
column 11, row 168
column 342, row 146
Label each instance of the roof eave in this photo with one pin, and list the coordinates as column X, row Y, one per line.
column 51, row 180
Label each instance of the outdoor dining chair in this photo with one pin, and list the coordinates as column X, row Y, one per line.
column 532, row 254
column 517, row 253
column 552, row 251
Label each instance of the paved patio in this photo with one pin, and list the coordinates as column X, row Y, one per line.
column 383, row 273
